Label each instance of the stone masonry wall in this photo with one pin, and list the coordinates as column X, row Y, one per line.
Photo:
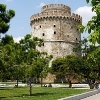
column 58, row 27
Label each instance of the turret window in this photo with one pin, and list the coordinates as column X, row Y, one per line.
column 54, row 25
column 54, row 32
column 43, row 44
column 43, row 34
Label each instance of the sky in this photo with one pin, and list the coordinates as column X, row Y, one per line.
column 24, row 9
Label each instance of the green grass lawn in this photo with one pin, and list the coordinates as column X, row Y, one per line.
column 38, row 93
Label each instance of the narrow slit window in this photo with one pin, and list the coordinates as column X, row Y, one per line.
column 54, row 32
column 43, row 34
column 43, row 44
column 40, row 26
column 76, row 38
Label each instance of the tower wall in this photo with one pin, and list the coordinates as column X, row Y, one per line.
column 58, row 27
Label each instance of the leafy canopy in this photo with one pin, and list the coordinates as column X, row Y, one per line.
column 5, row 17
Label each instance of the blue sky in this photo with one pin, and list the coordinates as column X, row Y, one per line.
column 24, row 9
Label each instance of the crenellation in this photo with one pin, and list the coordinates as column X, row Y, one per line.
column 76, row 17
column 56, row 7
column 57, row 14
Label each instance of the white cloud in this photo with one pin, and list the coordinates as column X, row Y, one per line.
column 18, row 39
column 86, row 13
column 9, row 0
column 41, row 5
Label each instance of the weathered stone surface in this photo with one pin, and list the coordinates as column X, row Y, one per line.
column 58, row 27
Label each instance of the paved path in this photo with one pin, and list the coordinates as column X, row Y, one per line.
column 94, row 97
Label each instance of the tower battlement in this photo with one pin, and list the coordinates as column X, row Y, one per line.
column 56, row 10
column 56, row 7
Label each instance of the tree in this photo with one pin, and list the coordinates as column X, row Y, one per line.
column 41, row 66
column 73, row 64
column 58, row 66
column 36, row 62
column 93, row 28
column 30, row 53
column 5, row 17
column 67, row 67
column 11, row 59
column 6, row 56
column 89, row 69
column 18, row 66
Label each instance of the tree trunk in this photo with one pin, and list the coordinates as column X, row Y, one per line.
column 70, row 83
column 41, row 81
column 30, row 86
column 62, row 81
column 17, row 81
column 16, row 85
column 99, row 71
column 91, row 85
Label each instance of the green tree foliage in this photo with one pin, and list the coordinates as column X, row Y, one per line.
column 6, row 56
column 7, row 40
column 5, row 17
column 41, row 66
column 93, row 28
column 67, row 67
column 95, row 60
column 36, row 62
column 90, row 58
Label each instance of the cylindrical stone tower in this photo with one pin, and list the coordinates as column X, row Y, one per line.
column 58, row 27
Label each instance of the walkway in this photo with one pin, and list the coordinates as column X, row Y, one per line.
column 94, row 97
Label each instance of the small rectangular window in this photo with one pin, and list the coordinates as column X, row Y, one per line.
column 54, row 32
column 43, row 44
column 43, row 34
column 40, row 26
